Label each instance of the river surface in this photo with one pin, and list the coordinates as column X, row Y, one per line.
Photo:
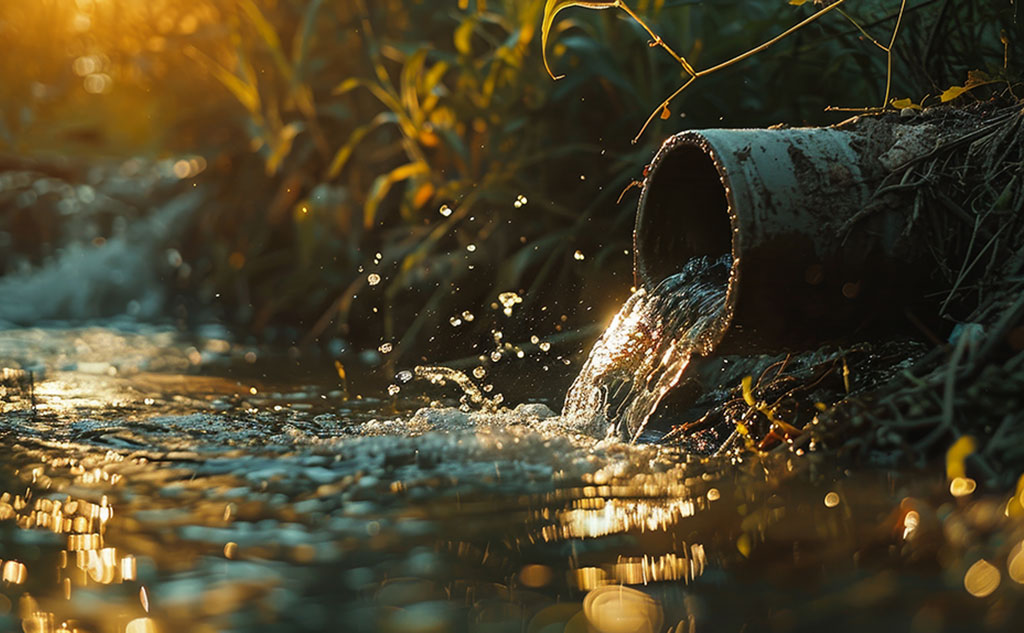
column 150, row 482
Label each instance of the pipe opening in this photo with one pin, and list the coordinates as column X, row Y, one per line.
column 684, row 214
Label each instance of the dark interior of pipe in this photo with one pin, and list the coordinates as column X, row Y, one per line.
column 685, row 215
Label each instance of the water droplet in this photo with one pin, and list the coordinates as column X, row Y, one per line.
column 508, row 300
column 373, row 279
column 471, row 247
column 445, row 210
column 578, row 255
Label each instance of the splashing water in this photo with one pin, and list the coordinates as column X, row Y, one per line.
column 646, row 349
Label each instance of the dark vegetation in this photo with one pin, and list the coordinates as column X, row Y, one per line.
column 426, row 143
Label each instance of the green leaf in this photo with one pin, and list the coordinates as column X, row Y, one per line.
column 553, row 8
column 300, row 44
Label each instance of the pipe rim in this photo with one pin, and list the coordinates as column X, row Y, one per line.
column 643, row 278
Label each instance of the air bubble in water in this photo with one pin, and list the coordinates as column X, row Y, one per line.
column 545, row 346
column 384, row 348
column 445, row 210
column 455, row 321
column 467, row 316
column 404, row 376
column 393, row 390
column 578, row 255
column 495, row 356
column 373, row 279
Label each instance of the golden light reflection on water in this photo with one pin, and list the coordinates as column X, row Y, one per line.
column 981, row 579
column 594, row 517
column 622, row 610
column 644, row 570
column 86, row 560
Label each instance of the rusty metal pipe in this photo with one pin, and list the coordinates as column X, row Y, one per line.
column 816, row 254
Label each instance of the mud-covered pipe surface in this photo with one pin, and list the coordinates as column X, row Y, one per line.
column 816, row 254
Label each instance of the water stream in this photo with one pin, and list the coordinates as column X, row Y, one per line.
column 645, row 350
column 150, row 482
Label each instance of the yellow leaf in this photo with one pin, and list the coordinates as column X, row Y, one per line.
column 423, row 195
column 902, row 104
column 665, row 113
column 956, row 455
column 358, row 134
column 463, row 37
column 952, row 93
column 266, row 31
column 748, row 393
column 797, row 3
column 382, row 185
column 551, row 9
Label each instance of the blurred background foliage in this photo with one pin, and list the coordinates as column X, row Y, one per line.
column 422, row 144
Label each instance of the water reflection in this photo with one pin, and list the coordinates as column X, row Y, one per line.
column 184, row 515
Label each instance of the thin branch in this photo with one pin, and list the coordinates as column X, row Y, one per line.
column 656, row 39
column 773, row 41
column 862, row 31
column 730, row 62
column 888, row 52
column 664, row 104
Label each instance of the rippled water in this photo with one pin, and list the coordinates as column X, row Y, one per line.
column 157, row 486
